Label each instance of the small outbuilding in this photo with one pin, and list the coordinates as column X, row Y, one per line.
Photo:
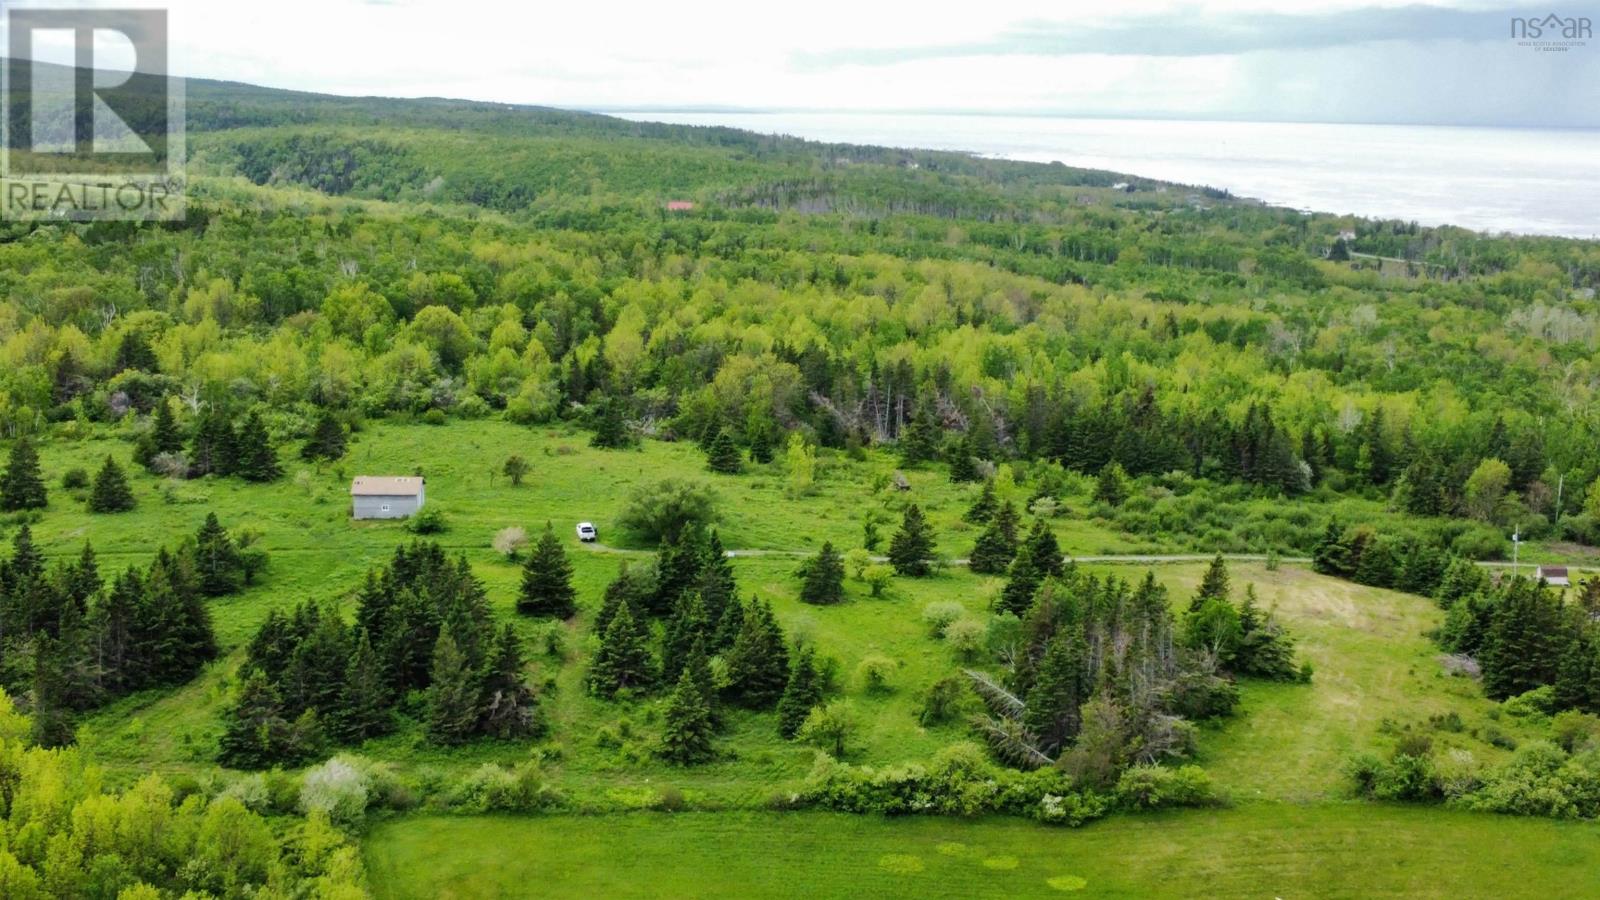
column 383, row 497
column 1555, row 576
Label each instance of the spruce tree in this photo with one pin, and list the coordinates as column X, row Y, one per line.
column 729, row 626
column 800, row 694
column 723, row 454
column 758, row 663
column 255, row 734
column 687, row 727
column 1022, row 583
column 547, row 580
column 510, row 708
column 214, row 448
column 1214, row 585
column 1112, row 486
column 134, row 353
column 997, row 545
column 217, row 558
column 257, row 458
column 963, row 465
column 1332, row 554
column 452, row 694
column 611, row 430
column 983, row 508
column 327, row 440
column 919, row 441
column 111, row 493
column 165, row 435
column 717, row 587
column 1044, row 552
column 623, row 661
column 22, row 487
column 53, row 724
column 1059, row 691
column 687, row 625
column 823, row 584
column 364, row 706
column 911, row 548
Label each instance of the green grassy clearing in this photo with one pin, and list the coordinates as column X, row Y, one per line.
column 1255, row 850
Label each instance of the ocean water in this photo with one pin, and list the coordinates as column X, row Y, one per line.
column 1528, row 181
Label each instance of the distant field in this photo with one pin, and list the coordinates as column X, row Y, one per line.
column 1257, row 850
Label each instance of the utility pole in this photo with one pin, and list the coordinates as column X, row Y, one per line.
column 1561, row 483
column 1516, row 546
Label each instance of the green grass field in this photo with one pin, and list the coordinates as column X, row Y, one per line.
column 1290, row 833
column 1257, row 850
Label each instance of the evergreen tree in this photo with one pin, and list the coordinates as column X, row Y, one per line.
column 1059, row 690
column 257, row 458
column 1112, row 486
column 919, row 442
column 22, row 487
column 214, row 448
column 687, row 626
column 758, row 663
column 364, row 704
column 687, row 727
column 723, row 454
column 611, row 429
column 510, row 708
column 763, row 440
column 1576, row 676
column 547, row 580
column 1332, row 554
column 679, row 569
column 217, row 558
column 1043, row 551
column 134, row 352
column 983, row 508
column 452, row 694
column 53, row 724
column 823, row 583
column 729, row 626
column 997, row 545
column 1022, row 584
column 255, row 735
column 717, row 588
column 1527, row 637
column 165, row 436
column 634, row 585
column 1214, row 585
column 963, row 465
column 800, row 694
column 911, row 548
column 623, row 661
column 111, row 493
column 327, row 440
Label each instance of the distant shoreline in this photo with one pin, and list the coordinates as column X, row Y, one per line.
column 1517, row 180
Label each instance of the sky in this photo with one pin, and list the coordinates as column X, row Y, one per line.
column 1452, row 62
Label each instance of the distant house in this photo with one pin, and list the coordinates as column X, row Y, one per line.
column 386, row 498
column 1555, row 576
column 1347, row 235
column 679, row 205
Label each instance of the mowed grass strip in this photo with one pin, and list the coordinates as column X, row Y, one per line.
column 1255, row 850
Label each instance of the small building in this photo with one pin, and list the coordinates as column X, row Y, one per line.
column 378, row 497
column 1555, row 576
column 680, row 205
column 1347, row 235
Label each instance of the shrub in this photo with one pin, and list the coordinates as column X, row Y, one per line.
column 430, row 520
column 493, row 788
column 75, row 479
column 965, row 637
column 1158, row 787
column 434, row 416
column 659, row 511
column 338, row 789
column 1540, row 701
column 252, row 791
column 876, row 673
column 939, row 614
column 1576, row 731
column 943, row 701
column 509, row 542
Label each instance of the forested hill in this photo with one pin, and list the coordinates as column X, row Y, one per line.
column 405, row 257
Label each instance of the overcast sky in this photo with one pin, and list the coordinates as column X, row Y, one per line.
column 1452, row 62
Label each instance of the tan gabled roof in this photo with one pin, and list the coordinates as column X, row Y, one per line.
column 383, row 486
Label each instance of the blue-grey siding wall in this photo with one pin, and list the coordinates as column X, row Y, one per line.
column 398, row 507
